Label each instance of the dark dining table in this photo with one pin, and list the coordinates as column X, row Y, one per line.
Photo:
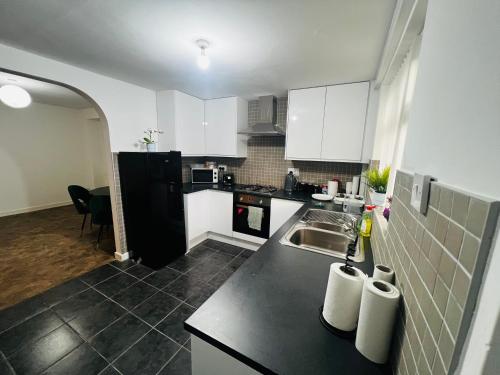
column 100, row 191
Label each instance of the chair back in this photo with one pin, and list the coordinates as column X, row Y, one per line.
column 80, row 197
column 100, row 208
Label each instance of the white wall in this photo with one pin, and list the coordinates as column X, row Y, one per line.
column 43, row 149
column 454, row 127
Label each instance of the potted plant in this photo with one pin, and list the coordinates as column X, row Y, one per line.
column 149, row 140
column 377, row 182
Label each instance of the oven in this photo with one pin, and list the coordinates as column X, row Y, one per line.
column 251, row 214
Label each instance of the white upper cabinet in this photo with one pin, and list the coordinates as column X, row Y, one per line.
column 305, row 123
column 199, row 127
column 327, row 123
column 344, row 124
column 223, row 118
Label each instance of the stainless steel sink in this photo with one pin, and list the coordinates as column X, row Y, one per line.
column 324, row 232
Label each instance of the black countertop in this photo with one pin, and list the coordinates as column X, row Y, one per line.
column 267, row 313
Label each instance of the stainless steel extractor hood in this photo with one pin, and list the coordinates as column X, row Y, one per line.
column 266, row 119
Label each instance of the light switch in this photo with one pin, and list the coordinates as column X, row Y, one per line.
column 420, row 192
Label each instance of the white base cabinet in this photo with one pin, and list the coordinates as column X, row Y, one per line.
column 281, row 211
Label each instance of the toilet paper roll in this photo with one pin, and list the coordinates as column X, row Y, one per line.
column 384, row 273
column 355, row 185
column 348, row 187
column 333, row 188
column 377, row 313
column 343, row 296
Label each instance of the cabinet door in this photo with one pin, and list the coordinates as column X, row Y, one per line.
column 345, row 116
column 281, row 211
column 305, row 123
column 189, row 128
column 220, row 126
column 196, row 206
column 221, row 212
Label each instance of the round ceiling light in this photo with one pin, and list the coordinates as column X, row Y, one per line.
column 203, row 60
column 15, row 96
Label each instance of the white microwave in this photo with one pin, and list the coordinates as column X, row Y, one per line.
column 204, row 175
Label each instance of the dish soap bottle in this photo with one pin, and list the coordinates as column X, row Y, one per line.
column 366, row 221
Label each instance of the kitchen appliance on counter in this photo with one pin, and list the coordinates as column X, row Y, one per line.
column 228, row 179
column 222, row 170
column 204, row 175
column 290, row 182
column 251, row 214
column 153, row 206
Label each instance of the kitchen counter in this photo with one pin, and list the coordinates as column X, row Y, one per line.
column 266, row 315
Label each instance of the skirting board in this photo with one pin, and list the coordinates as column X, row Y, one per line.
column 229, row 240
column 35, row 208
column 121, row 257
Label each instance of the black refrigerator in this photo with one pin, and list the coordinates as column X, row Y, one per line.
column 153, row 207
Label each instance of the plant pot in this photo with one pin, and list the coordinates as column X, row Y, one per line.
column 378, row 199
column 151, row 147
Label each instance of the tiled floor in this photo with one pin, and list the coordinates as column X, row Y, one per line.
column 119, row 318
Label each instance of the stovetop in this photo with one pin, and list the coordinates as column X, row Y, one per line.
column 258, row 189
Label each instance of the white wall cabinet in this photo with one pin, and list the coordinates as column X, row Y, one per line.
column 344, row 123
column 305, row 123
column 327, row 123
column 221, row 213
column 199, row 127
column 281, row 211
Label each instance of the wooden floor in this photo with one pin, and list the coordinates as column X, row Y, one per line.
column 42, row 249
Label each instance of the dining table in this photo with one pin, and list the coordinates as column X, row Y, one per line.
column 100, row 191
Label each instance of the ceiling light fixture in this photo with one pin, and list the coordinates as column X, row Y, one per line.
column 203, row 60
column 15, row 96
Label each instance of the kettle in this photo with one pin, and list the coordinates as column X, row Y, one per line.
column 290, row 182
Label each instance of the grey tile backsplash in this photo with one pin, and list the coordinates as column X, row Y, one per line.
column 266, row 164
column 439, row 260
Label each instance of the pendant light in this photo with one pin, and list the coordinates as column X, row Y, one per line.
column 14, row 96
column 203, row 60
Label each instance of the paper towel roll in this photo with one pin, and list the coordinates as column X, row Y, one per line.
column 384, row 273
column 355, row 185
column 377, row 313
column 343, row 297
column 333, row 187
column 348, row 187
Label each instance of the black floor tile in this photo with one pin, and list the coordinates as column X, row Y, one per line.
column 115, row 284
column 173, row 324
column 123, row 265
column 247, row 253
column 156, row 308
column 187, row 345
column 82, row 360
column 212, row 244
column 62, row 292
column 148, row 355
column 76, row 305
column 221, row 277
column 201, row 252
column 220, row 259
column 140, row 271
column 202, row 295
column 184, row 286
column 236, row 263
column 110, row 370
column 96, row 318
column 5, row 368
column 39, row 355
column 99, row 274
column 28, row 331
column 184, row 263
column 162, row 278
column 179, row 365
column 13, row 315
column 230, row 249
column 134, row 295
column 120, row 335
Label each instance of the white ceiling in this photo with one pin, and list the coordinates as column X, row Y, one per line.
column 257, row 47
column 46, row 93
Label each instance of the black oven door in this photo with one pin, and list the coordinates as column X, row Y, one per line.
column 251, row 219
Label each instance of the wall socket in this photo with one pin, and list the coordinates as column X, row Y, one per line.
column 295, row 171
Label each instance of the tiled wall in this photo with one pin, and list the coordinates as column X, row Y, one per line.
column 266, row 164
column 439, row 260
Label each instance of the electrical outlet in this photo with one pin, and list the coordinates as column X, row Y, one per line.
column 295, row 171
column 420, row 192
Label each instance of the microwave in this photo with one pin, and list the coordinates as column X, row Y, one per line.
column 204, row 176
